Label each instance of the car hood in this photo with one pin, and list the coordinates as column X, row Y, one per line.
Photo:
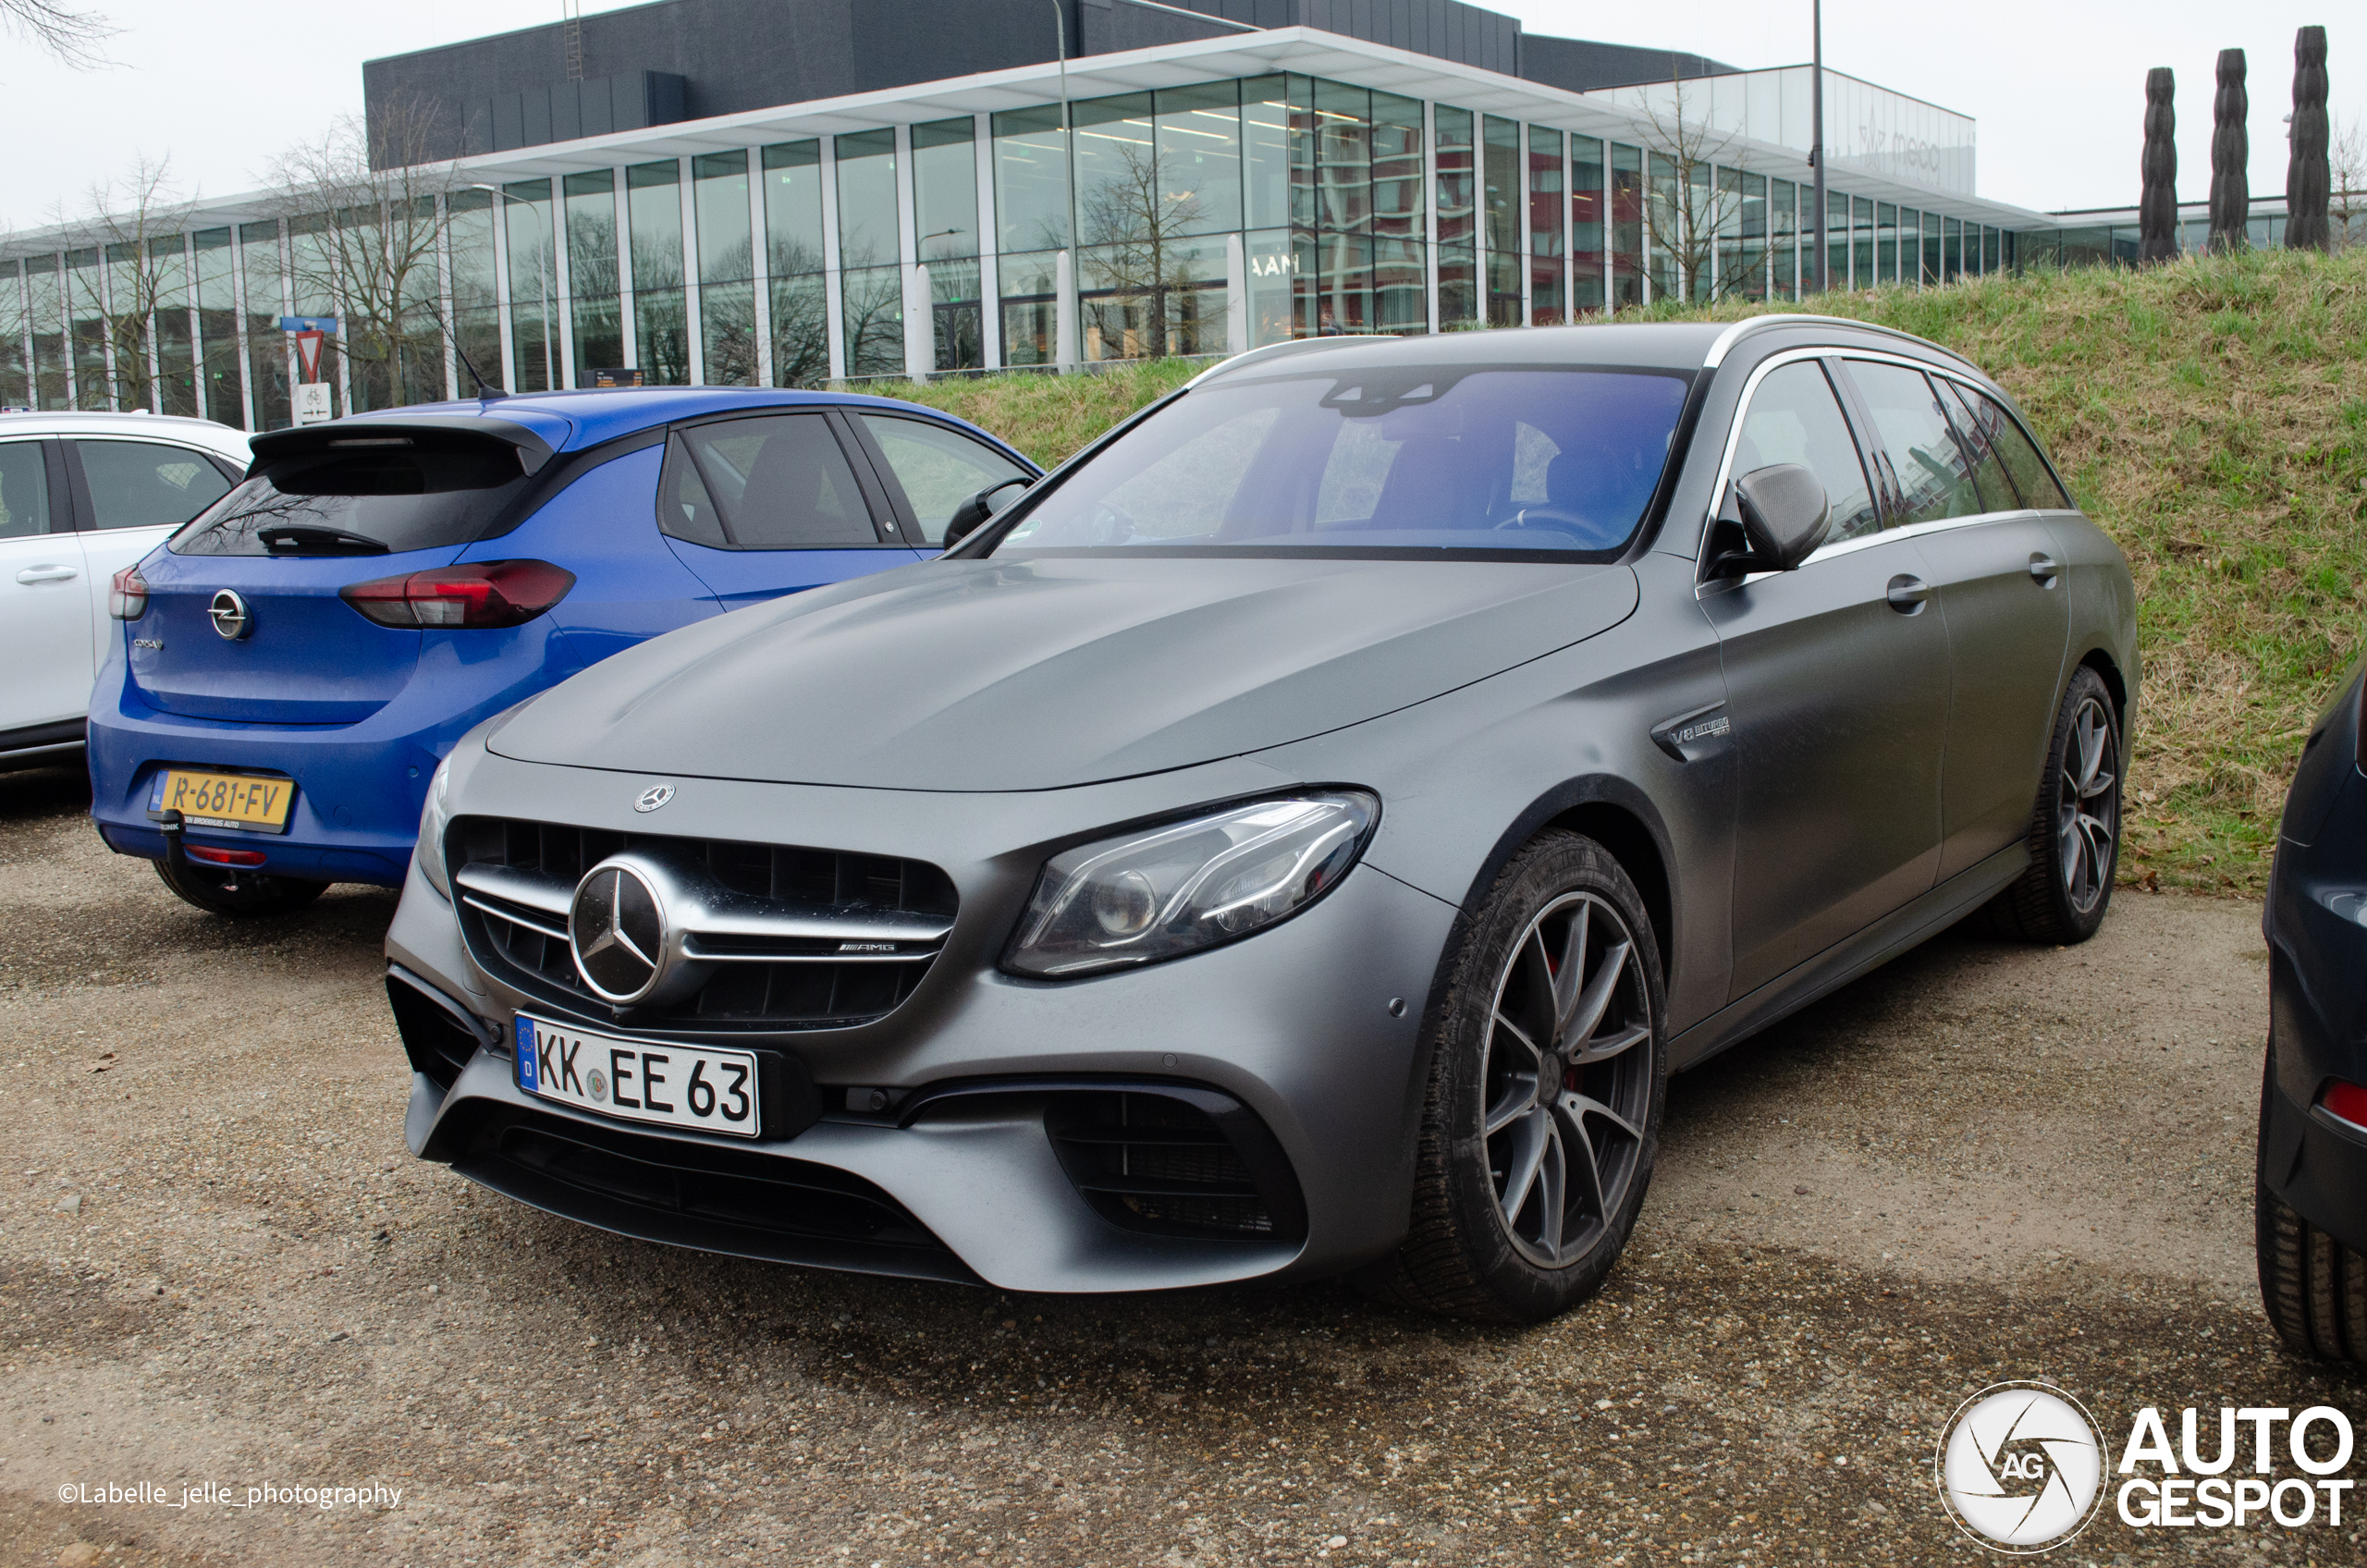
column 1020, row 674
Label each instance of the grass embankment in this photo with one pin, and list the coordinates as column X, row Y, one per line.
column 2210, row 414
column 1049, row 417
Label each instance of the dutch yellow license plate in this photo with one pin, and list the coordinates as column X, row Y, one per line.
column 226, row 800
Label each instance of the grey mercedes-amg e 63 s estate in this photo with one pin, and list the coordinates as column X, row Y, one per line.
column 1300, row 835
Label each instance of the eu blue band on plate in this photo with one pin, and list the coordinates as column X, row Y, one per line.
column 526, row 1078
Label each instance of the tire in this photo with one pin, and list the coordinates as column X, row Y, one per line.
column 1584, row 1157
column 2313, row 1288
column 2075, row 826
column 243, row 895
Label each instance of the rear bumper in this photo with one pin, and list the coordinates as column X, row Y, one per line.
column 359, row 787
column 2317, row 1165
column 2316, row 926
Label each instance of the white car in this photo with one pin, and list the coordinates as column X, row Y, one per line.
column 83, row 495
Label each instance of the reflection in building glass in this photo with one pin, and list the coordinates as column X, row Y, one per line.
column 1457, row 213
column 259, row 267
column 1626, row 225
column 945, row 197
column 654, row 233
column 793, row 251
column 1586, row 226
column 1546, row 216
column 590, row 200
column 727, row 267
column 220, row 387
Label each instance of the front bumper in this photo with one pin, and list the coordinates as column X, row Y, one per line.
column 1311, row 1027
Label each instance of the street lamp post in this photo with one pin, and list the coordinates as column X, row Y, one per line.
column 1061, row 43
column 1063, row 269
column 542, row 285
column 1816, row 135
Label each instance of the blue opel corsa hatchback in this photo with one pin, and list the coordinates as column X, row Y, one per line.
column 292, row 664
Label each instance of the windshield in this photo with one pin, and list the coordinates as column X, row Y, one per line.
column 373, row 500
column 1404, row 459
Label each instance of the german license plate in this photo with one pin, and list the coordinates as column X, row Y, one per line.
column 695, row 1087
column 225, row 800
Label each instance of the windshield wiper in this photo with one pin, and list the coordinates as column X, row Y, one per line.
column 297, row 539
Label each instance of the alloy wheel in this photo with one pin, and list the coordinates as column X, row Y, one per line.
column 1566, row 1093
column 2087, row 812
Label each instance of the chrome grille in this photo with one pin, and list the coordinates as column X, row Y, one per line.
column 770, row 941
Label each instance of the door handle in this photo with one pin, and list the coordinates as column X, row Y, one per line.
column 2043, row 570
column 33, row 574
column 1907, row 593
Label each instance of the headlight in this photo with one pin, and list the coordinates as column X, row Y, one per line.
column 1176, row 890
column 432, row 823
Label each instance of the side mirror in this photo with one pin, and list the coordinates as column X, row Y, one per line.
column 980, row 506
column 1784, row 515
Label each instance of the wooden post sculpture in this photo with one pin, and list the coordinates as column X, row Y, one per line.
column 2309, row 175
column 2157, row 206
column 2231, row 152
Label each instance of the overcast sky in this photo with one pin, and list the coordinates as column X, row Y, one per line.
column 2057, row 86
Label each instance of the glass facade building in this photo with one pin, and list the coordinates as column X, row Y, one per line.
column 1202, row 217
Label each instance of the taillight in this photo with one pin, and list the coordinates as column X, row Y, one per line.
column 127, row 594
column 481, row 593
column 2346, row 1102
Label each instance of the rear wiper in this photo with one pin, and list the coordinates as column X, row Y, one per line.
column 297, row 539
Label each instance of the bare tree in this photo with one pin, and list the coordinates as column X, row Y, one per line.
column 871, row 315
column 135, row 223
column 1136, row 234
column 73, row 37
column 365, row 221
column 2347, row 189
column 16, row 327
column 800, row 320
column 1690, row 210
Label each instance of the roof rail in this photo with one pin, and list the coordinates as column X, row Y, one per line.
column 1740, row 330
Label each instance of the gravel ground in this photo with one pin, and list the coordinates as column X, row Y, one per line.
column 218, row 1265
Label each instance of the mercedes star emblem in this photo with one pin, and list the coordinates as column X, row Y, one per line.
column 617, row 932
column 232, row 619
column 655, row 796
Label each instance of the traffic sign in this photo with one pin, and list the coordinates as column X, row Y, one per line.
column 308, row 401
column 308, row 324
column 308, row 354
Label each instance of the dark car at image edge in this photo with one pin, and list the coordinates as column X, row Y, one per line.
column 2312, row 1211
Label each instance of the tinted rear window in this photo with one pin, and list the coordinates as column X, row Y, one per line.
column 1420, row 459
column 362, row 501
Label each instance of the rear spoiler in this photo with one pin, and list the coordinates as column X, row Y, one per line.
column 418, row 430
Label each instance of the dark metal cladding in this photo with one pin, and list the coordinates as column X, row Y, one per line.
column 2231, row 152
column 2157, row 206
column 2309, row 174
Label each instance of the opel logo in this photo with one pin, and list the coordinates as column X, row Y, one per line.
column 232, row 619
column 617, row 930
column 655, row 796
